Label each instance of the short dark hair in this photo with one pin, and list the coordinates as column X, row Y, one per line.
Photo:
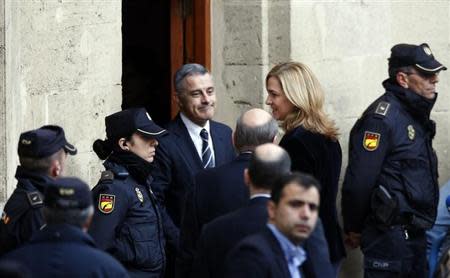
column 40, row 165
column 76, row 217
column 185, row 71
column 303, row 180
column 248, row 137
column 264, row 172
column 394, row 70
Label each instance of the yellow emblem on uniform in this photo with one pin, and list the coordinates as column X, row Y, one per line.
column 106, row 203
column 371, row 140
column 139, row 194
column 411, row 132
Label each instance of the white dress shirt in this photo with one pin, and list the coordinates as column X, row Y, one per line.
column 194, row 132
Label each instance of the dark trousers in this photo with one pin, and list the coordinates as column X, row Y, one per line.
column 394, row 252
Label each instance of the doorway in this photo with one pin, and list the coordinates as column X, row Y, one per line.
column 159, row 36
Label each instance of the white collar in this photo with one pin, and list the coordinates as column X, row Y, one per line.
column 260, row 195
column 193, row 127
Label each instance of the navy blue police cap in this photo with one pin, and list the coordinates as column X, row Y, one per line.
column 420, row 56
column 126, row 122
column 67, row 193
column 43, row 142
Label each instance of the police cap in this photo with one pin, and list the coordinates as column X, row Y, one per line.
column 126, row 122
column 43, row 142
column 67, row 193
column 420, row 56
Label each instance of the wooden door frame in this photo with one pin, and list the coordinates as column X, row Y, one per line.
column 190, row 37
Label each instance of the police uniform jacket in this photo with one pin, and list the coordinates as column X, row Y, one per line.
column 127, row 222
column 65, row 251
column 22, row 215
column 391, row 153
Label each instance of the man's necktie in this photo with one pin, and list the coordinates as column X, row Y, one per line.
column 207, row 157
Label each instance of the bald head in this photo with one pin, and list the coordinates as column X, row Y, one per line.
column 269, row 162
column 253, row 128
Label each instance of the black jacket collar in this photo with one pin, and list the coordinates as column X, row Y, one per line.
column 62, row 233
column 416, row 105
column 30, row 181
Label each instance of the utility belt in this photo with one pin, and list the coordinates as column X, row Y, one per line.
column 386, row 212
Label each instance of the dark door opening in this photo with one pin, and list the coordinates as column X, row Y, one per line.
column 158, row 36
column 146, row 57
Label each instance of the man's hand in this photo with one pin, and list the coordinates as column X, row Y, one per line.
column 352, row 240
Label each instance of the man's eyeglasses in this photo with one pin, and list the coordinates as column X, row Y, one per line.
column 426, row 75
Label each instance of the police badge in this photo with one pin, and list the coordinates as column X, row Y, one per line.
column 411, row 132
column 139, row 194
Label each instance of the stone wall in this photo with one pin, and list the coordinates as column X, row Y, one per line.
column 247, row 38
column 63, row 66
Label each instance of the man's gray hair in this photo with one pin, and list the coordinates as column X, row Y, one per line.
column 185, row 71
column 76, row 217
column 248, row 137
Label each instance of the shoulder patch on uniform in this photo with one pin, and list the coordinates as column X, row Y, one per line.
column 106, row 203
column 371, row 140
column 34, row 198
column 107, row 176
column 382, row 108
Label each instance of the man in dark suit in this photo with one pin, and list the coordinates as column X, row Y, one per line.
column 268, row 163
column 277, row 250
column 222, row 189
column 194, row 142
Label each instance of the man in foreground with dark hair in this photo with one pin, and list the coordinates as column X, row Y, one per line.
column 277, row 250
column 390, row 191
column 267, row 164
column 63, row 248
column 42, row 155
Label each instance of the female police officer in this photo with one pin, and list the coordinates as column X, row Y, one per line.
column 127, row 221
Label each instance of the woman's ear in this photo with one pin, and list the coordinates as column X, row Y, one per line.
column 123, row 144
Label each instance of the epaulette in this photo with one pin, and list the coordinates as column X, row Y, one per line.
column 107, row 176
column 382, row 108
column 34, row 198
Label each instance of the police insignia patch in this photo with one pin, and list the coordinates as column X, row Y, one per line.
column 371, row 140
column 411, row 132
column 427, row 50
column 106, row 203
column 139, row 194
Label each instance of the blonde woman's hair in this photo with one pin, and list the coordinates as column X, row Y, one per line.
column 303, row 90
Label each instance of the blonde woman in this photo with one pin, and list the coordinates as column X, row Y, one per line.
column 311, row 139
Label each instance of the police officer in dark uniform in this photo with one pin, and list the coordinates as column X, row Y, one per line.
column 390, row 191
column 63, row 248
column 127, row 221
column 42, row 155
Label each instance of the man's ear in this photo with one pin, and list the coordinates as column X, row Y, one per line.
column 55, row 168
column 177, row 99
column 246, row 177
column 402, row 79
column 271, row 208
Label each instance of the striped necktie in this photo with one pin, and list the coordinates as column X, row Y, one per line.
column 207, row 157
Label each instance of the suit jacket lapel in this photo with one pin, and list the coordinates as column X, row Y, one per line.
column 185, row 144
column 218, row 142
column 280, row 259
